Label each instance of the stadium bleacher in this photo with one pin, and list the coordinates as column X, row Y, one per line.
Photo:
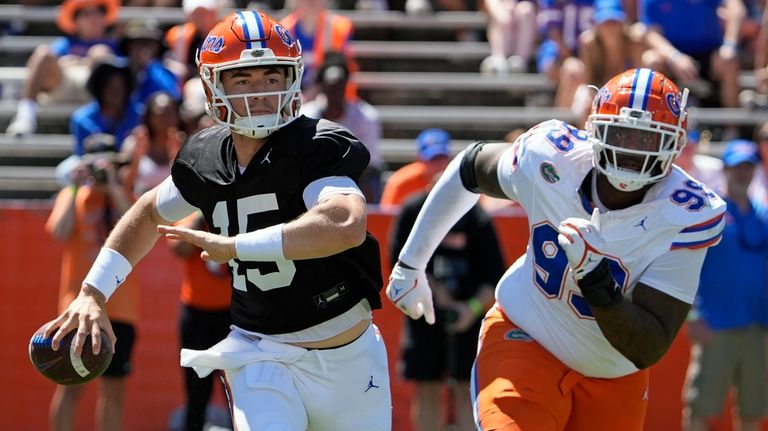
column 414, row 81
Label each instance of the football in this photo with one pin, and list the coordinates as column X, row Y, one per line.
column 61, row 366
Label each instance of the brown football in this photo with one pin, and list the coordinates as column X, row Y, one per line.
column 61, row 366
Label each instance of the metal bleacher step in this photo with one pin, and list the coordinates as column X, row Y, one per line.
column 28, row 182
column 361, row 19
column 45, row 150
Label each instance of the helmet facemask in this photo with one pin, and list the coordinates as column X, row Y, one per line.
column 631, row 149
column 257, row 126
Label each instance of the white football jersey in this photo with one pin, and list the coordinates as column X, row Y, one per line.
column 660, row 242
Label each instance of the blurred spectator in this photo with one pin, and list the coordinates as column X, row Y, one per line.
column 155, row 142
column 192, row 109
column 758, row 98
column 560, row 24
column 142, row 43
column 434, row 154
column 319, row 31
column 204, row 319
column 758, row 190
column 695, row 39
column 183, row 40
column 750, row 28
column 82, row 215
column 418, row 7
column 704, row 168
column 112, row 111
column 728, row 323
column 463, row 272
column 511, row 35
column 151, row 3
column 358, row 116
column 607, row 49
column 513, row 134
column 58, row 72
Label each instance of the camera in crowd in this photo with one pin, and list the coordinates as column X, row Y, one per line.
column 98, row 147
column 99, row 174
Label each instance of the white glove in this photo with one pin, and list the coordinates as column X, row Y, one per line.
column 582, row 243
column 409, row 290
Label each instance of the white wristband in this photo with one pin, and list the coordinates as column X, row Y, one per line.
column 109, row 270
column 261, row 245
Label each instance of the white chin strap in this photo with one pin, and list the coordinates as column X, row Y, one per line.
column 259, row 126
column 625, row 180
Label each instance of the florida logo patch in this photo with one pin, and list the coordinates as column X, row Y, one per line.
column 213, row 44
column 284, row 36
column 549, row 172
column 673, row 101
column 517, row 334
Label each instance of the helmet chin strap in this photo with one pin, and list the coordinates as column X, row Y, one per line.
column 625, row 184
column 258, row 126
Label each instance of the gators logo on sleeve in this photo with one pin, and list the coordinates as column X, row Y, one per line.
column 549, row 172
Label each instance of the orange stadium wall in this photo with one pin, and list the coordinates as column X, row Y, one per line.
column 29, row 274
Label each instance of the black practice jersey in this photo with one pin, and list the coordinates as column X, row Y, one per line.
column 289, row 295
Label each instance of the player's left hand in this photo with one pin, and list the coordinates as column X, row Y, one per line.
column 216, row 248
column 581, row 240
column 409, row 290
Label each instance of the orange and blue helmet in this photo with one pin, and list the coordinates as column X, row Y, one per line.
column 250, row 39
column 641, row 105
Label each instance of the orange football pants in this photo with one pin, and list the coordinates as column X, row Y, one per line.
column 518, row 385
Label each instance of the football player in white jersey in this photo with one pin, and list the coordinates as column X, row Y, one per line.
column 618, row 235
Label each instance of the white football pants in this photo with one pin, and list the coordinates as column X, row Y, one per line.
column 295, row 389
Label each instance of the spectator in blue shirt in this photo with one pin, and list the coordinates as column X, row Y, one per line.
column 113, row 111
column 560, row 24
column 142, row 43
column 58, row 72
column 695, row 39
column 728, row 324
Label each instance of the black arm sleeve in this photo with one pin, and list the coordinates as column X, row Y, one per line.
column 467, row 167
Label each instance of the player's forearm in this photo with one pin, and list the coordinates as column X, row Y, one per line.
column 636, row 333
column 135, row 234
column 329, row 228
column 447, row 202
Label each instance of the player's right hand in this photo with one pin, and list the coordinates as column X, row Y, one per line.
column 216, row 248
column 581, row 240
column 409, row 290
column 87, row 314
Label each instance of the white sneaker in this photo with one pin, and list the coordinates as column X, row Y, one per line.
column 516, row 64
column 22, row 126
column 417, row 7
column 493, row 65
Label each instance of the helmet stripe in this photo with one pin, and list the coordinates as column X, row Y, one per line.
column 641, row 86
column 252, row 28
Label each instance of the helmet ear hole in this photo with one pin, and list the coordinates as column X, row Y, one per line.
column 222, row 113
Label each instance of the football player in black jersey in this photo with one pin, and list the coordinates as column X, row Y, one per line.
column 281, row 196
